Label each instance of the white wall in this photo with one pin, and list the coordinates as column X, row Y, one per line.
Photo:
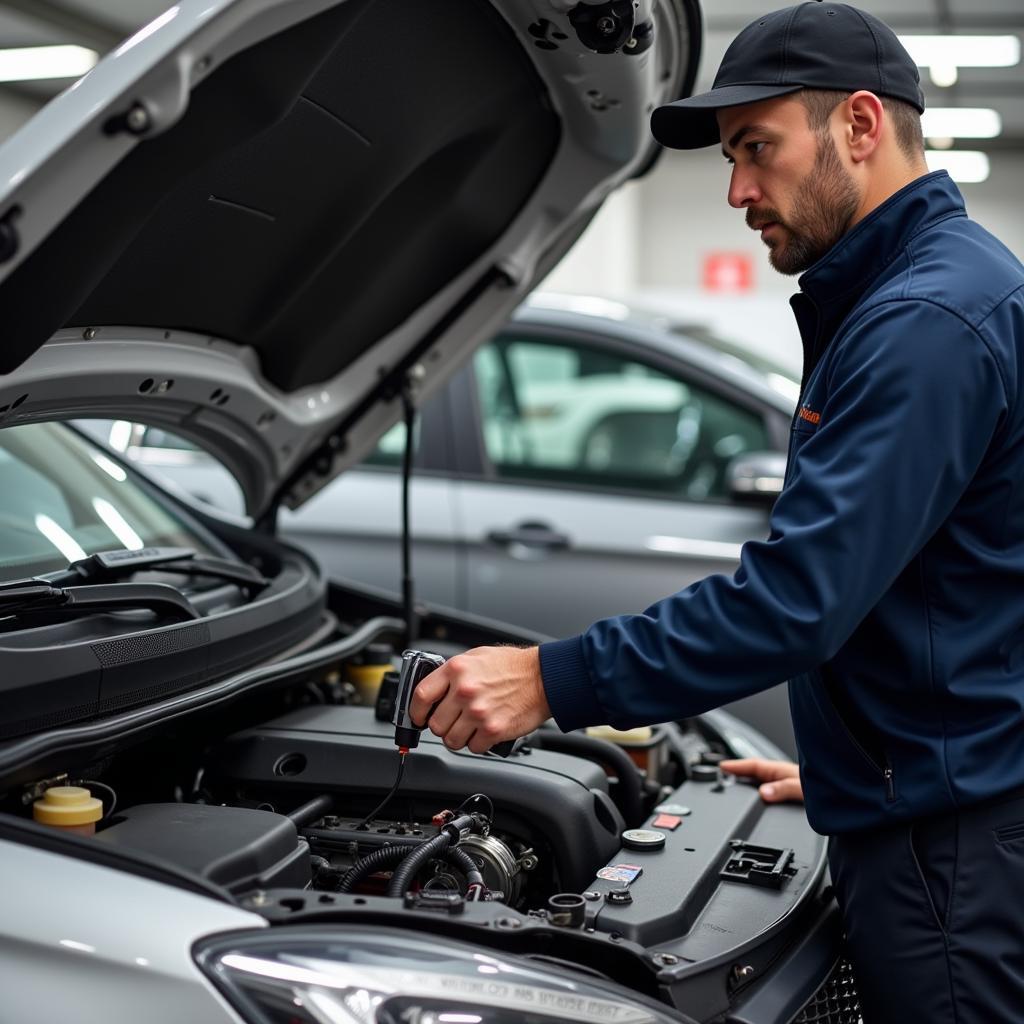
column 679, row 213
column 605, row 259
column 996, row 203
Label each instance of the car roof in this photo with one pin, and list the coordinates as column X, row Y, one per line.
column 665, row 335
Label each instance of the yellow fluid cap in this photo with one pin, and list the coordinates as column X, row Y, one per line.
column 67, row 805
column 627, row 737
column 367, row 675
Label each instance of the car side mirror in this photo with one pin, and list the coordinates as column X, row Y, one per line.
column 756, row 477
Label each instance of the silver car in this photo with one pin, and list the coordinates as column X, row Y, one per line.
column 270, row 227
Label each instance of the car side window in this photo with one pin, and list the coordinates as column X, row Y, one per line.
column 572, row 413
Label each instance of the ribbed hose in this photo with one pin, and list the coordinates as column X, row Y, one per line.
column 462, row 860
column 629, row 792
column 385, row 857
column 406, row 871
column 388, row 856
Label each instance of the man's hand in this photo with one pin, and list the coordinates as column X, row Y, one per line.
column 780, row 780
column 486, row 695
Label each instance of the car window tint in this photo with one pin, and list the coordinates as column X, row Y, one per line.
column 562, row 412
column 61, row 499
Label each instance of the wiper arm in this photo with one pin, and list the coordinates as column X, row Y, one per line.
column 30, row 596
column 94, row 584
column 107, row 566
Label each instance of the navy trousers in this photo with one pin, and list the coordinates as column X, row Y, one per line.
column 934, row 916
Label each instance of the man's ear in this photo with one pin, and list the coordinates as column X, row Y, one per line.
column 863, row 122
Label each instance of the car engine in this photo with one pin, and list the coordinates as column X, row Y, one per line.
column 639, row 863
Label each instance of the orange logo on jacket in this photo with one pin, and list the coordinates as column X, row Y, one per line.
column 811, row 417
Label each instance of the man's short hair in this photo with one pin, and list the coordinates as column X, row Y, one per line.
column 821, row 102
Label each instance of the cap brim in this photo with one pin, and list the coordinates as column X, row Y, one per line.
column 691, row 123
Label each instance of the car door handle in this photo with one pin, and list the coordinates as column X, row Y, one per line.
column 530, row 535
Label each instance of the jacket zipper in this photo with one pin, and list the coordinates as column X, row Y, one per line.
column 890, row 786
column 879, row 763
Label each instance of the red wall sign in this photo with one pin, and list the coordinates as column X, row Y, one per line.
column 728, row 272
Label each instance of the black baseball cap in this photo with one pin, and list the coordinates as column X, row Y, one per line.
column 814, row 45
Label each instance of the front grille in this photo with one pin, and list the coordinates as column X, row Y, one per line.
column 835, row 1002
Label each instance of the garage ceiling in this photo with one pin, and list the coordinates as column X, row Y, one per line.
column 100, row 24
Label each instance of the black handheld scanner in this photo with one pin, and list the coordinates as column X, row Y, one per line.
column 416, row 666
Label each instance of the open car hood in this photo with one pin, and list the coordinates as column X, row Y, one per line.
column 256, row 220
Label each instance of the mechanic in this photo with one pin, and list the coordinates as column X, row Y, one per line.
column 889, row 590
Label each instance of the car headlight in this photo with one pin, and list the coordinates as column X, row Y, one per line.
column 363, row 975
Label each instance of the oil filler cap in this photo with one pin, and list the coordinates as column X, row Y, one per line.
column 703, row 773
column 643, row 839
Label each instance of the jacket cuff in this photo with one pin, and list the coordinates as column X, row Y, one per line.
column 567, row 685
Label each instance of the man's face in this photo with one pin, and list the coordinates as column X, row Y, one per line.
column 789, row 179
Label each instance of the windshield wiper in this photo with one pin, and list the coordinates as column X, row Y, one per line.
column 94, row 583
column 35, row 596
column 108, row 566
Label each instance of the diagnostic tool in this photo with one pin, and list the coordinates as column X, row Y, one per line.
column 416, row 666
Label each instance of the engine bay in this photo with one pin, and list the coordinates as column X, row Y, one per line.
column 641, row 862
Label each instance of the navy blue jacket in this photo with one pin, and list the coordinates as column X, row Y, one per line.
column 890, row 591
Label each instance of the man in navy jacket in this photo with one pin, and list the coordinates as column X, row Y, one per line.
column 890, row 592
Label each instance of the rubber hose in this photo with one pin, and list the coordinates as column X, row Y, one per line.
column 462, row 860
column 312, row 811
column 406, row 871
column 629, row 792
column 385, row 857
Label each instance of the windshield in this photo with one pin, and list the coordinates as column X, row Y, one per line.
column 62, row 499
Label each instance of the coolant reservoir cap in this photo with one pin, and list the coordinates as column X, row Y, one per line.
column 67, row 805
column 643, row 839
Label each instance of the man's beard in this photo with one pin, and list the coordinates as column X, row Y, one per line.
column 823, row 207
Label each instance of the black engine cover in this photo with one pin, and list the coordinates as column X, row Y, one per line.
column 556, row 802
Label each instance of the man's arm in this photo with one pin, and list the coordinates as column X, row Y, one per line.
column 915, row 398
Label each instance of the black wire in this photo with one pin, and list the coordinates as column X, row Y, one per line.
column 380, row 807
column 110, row 789
column 479, row 796
column 409, row 413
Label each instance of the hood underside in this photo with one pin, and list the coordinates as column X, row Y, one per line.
column 373, row 186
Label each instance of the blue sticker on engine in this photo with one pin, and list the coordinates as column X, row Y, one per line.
column 622, row 873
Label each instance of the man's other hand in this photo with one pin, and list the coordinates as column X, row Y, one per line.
column 486, row 695
column 779, row 780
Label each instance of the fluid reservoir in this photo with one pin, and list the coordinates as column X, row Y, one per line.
column 366, row 670
column 72, row 808
column 647, row 746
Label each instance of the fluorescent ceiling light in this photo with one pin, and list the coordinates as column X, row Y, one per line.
column 117, row 524
column 59, row 538
column 110, row 468
column 961, row 123
column 963, row 51
column 120, row 435
column 28, row 63
column 964, row 165
column 943, row 55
